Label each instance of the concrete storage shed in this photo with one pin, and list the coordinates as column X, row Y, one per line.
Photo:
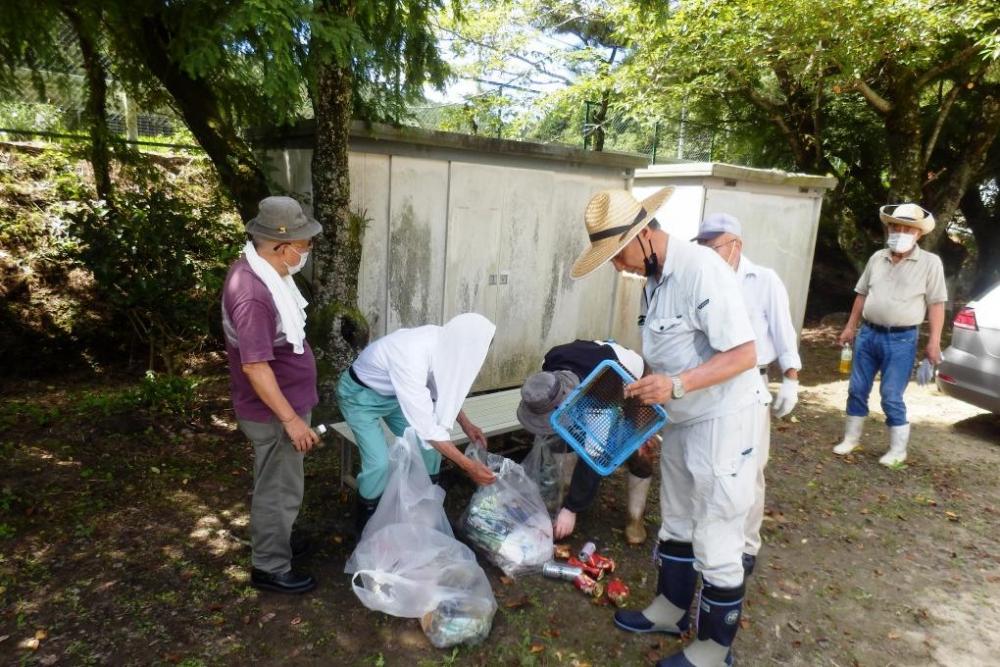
column 779, row 212
column 460, row 223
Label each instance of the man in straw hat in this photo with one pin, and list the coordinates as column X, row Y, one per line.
column 767, row 304
column 899, row 285
column 563, row 368
column 701, row 366
column 272, row 376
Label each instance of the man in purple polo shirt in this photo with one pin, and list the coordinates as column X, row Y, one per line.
column 272, row 375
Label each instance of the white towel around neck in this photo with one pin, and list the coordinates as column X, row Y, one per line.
column 287, row 298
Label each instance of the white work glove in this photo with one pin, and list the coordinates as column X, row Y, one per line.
column 925, row 372
column 788, row 396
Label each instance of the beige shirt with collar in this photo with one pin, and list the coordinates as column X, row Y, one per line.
column 897, row 295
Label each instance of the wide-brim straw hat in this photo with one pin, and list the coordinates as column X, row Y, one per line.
column 909, row 214
column 613, row 218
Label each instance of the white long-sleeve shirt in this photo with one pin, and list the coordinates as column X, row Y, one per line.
column 767, row 304
column 429, row 370
column 399, row 364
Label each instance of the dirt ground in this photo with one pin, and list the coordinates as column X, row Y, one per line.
column 122, row 541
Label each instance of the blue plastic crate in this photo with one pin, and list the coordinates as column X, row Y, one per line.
column 603, row 426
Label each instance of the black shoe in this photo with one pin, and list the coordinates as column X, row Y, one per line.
column 289, row 582
column 363, row 510
column 301, row 545
column 749, row 563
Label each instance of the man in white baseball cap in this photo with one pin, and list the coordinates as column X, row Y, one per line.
column 766, row 300
column 900, row 284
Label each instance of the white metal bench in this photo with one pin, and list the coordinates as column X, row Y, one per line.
column 494, row 413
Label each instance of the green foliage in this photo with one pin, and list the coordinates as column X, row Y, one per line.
column 158, row 258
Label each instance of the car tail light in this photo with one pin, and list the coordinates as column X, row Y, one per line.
column 946, row 378
column 966, row 319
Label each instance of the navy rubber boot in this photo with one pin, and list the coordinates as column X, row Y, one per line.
column 674, row 592
column 749, row 563
column 719, row 611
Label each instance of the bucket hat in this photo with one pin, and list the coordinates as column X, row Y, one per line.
column 282, row 219
column 541, row 394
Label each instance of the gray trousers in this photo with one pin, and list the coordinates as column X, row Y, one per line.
column 278, row 485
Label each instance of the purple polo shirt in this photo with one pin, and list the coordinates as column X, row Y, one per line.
column 251, row 325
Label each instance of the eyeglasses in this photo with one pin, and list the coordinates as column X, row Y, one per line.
column 704, row 244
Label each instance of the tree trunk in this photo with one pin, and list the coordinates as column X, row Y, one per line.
column 96, row 107
column 238, row 168
column 338, row 330
column 985, row 225
column 904, row 136
column 957, row 177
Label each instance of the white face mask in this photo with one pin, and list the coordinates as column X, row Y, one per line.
column 900, row 242
column 303, row 256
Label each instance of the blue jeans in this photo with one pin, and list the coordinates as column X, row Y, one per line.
column 892, row 354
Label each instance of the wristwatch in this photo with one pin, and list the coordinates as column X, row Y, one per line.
column 678, row 391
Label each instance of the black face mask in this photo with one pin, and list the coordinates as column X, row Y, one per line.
column 651, row 262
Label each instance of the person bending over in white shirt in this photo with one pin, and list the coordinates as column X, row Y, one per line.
column 414, row 377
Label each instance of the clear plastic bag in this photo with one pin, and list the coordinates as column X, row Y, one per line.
column 507, row 520
column 542, row 466
column 409, row 564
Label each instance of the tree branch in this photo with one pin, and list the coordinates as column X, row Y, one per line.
column 960, row 58
column 879, row 103
column 939, row 122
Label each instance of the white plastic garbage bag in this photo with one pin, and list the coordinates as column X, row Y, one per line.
column 543, row 468
column 508, row 520
column 409, row 564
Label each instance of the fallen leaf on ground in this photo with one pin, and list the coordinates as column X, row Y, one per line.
column 267, row 618
column 893, row 635
column 41, row 634
column 296, row 620
column 518, row 602
column 506, row 581
column 536, row 648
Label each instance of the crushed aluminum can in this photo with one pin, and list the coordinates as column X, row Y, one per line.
column 554, row 570
column 618, row 592
column 587, row 568
column 603, row 563
column 562, row 552
column 586, row 551
column 589, row 586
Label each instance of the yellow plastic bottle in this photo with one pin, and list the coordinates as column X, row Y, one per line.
column 845, row 359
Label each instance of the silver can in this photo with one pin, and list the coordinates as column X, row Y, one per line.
column 556, row 570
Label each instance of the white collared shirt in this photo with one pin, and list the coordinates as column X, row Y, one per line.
column 696, row 310
column 767, row 305
column 399, row 364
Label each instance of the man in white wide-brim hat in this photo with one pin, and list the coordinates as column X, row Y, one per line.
column 899, row 285
column 698, row 344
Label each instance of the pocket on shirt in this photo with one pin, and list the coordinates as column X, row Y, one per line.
column 670, row 339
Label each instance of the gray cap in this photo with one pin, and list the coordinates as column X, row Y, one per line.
column 718, row 223
column 282, row 219
column 540, row 396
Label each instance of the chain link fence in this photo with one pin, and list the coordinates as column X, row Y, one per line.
column 589, row 126
column 48, row 103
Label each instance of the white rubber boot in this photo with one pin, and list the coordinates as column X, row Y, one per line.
column 898, row 437
column 852, row 435
column 638, row 489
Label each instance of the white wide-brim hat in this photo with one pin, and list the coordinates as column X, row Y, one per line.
column 911, row 215
column 613, row 218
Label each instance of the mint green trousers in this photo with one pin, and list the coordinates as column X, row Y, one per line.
column 364, row 410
